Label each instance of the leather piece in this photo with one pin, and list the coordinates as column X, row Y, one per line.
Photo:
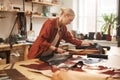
column 100, row 69
column 13, row 74
column 42, row 66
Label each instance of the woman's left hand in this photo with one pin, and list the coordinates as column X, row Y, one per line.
column 87, row 43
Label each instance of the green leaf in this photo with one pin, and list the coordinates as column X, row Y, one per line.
column 108, row 20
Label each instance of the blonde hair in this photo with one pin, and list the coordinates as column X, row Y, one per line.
column 67, row 11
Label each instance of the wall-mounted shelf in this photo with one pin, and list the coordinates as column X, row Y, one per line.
column 2, row 13
column 39, row 16
column 44, row 13
column 45, row 3
column 11, row 11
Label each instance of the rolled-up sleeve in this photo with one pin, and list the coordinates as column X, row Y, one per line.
column 68, row 37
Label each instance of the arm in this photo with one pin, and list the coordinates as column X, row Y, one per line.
column 68, row 37
column 42, row 42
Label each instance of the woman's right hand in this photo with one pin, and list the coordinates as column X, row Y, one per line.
column 60, row 50
column 57, row 49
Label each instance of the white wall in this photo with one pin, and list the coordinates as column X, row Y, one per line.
column 6, row 24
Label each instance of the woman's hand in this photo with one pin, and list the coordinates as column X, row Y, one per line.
column 86, row 43
column 59, row 50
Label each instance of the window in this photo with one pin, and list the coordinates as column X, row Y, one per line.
column 88, row 12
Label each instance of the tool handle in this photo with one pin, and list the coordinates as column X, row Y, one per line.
column 103, row 56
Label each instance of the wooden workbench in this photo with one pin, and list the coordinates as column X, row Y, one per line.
column 113, row 61
column 5, row 48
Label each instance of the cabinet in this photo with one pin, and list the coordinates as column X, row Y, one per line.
column 20, row 52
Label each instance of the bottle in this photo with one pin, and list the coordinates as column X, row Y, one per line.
column 10, row 7
column 98, row 36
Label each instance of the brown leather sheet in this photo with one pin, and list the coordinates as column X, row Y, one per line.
column 40, row 66
column 12, row 74
column 98, row 69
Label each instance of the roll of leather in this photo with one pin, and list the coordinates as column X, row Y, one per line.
column 103, row 56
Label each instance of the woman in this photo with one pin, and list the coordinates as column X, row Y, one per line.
column 53, row 30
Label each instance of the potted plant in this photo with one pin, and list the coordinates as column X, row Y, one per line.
column 109, row 25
